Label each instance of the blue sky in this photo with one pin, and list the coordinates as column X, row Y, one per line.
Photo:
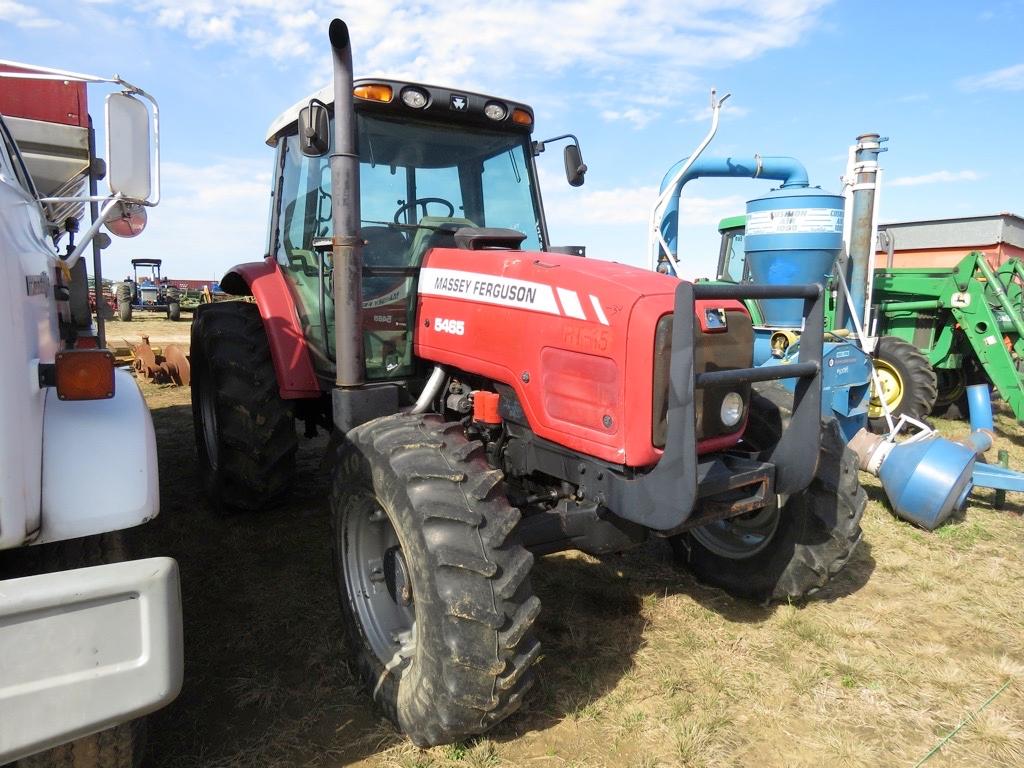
column 944, row 81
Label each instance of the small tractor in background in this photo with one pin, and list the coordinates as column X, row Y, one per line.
column 493, row 398
column 150, row 293
column 90, row 641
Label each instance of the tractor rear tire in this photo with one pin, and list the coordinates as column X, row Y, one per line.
column 245, row 433
column 434, row 584
column 788, row 553
column 124, row 311
column 122, row 745
column 174, row 311
column 908, row 379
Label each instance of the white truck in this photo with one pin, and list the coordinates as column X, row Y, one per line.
column 89, row 641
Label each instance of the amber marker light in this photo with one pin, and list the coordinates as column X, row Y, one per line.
column 84, row 374
column 374, row 92
column 521, row 117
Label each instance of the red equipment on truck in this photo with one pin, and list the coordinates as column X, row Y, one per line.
column 492, row 397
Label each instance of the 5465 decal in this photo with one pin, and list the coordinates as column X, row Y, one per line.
column 454, row 327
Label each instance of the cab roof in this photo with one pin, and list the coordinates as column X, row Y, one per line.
column 441, row 101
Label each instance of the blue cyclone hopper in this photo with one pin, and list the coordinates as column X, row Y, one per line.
column 793, row 235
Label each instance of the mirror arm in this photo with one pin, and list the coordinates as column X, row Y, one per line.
column 72, row 258
column 540, row 146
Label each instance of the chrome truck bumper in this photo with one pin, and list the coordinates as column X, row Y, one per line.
column 86, row 649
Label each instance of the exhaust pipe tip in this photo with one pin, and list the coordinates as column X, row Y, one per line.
column 338, row 33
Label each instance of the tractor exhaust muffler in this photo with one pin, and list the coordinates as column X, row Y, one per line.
column 346, row 245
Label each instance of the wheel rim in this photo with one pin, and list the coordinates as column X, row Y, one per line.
column 207, row 408
column 892, row 389
column 378, row 582
column 738, row 538
column 952, row 384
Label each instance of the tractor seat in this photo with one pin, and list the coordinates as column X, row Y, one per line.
column 385, row 247
column 436, row 232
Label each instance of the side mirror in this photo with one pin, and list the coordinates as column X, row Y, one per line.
column 314, row 129
column 575, row 168
column 126, row 219
column 128, row 155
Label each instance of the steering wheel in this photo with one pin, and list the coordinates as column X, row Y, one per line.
column 423, row 202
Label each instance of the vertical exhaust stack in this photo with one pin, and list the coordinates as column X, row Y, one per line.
column 346, row 247
column 861, row 245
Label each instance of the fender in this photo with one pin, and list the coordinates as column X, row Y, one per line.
column 288, row 348
column 99, row 464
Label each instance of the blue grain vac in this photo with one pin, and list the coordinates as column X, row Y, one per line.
column 795, row 234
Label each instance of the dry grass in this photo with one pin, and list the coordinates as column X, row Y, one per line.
column 642, row 666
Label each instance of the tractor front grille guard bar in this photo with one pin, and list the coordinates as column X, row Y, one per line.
column 665, row 497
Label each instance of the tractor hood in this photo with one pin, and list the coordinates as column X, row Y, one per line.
column 573, row 338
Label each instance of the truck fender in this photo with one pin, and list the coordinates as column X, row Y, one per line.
column 293, row 364
column 99, row 464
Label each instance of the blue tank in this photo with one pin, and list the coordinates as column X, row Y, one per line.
column 792, row 236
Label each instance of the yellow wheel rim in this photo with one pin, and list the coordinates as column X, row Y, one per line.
column 952, row 385
column 892, row 389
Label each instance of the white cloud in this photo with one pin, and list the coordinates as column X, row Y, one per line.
column 703, row 115
column 632, row 205
column 638, row 117
column 24, row 16
column 1006, row 79
column 937, row 177
column 209, row 217
column 639, row 50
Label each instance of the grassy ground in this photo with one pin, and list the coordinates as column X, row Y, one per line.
column 642, row 666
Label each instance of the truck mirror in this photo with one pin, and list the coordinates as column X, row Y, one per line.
column 575, row 168
column 126, row 220
column 128, row 156
column 314, row 129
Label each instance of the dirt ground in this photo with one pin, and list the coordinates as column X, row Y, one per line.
column 155, row 325
column 642, row 666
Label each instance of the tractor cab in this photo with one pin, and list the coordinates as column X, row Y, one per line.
column 146, row 277
column 732, row 257
column 432, row 161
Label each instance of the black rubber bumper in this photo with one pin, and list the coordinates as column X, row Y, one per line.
column 664, row 498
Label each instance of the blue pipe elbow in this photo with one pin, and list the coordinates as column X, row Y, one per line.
column 788, row 170
column 979, row 404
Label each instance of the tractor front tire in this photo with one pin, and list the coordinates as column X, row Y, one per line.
column 434, row 584
column 245, row 433
column 122, row 745
column 124, row 311
column 909, row 384
column 788, row 553
column 174, row 311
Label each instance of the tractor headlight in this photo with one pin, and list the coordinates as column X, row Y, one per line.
column 732, row 409
column 414, row 97
column 495, row 110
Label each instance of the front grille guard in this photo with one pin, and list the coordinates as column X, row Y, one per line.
column 665, row 497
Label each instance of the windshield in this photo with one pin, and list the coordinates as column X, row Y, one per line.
column 733, row 258
column 419, row 182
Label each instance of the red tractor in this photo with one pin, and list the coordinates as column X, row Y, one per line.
column 492, row 398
